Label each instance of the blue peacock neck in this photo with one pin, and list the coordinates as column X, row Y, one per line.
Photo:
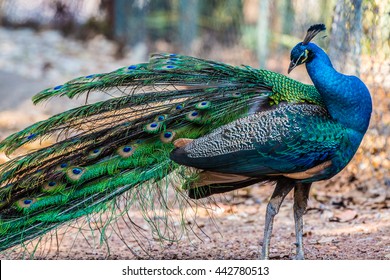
column 346, row 97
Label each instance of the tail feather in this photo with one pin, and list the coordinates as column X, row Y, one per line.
column 105, row 149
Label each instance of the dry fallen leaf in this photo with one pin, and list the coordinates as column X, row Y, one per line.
column 344, row 216
column 326, row 239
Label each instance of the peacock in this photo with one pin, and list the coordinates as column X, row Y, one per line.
column 203, row 126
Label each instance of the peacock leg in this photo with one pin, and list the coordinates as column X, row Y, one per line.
column 283, row 187
column 301, row 195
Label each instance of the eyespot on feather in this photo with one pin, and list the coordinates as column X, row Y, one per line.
column 153, row 127
column 177, row 107
column 131, row 67
column 95, row 153
column 126, row 151
column 25, row 202
column 193, row 116
column 53, row 186
column 74, row 173
column 31, row 136
column 167, row 136
column 57, row 87
column 236, row 94
column 168, row 67
column 203, row 105
column 62, row 166
column 161, row 118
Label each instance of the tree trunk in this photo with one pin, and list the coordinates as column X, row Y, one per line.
column 262, row 33
column 130, row 27
column 346, row 35
column 188, row 24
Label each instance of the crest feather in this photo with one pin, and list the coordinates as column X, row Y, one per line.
column 312, row 32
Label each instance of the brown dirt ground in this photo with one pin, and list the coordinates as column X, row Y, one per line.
column 334, row 229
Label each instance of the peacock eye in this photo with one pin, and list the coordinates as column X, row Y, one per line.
column 304, row 56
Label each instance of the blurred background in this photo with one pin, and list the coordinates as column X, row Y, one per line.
column 257, row 32
column 44, row 43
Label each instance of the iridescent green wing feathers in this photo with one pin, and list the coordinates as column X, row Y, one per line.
column 107, row 148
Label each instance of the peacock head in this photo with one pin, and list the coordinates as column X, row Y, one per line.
column 301, row 53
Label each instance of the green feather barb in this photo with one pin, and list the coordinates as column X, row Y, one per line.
column 123, row 144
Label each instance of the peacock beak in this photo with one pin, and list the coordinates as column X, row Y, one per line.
column 291, row 67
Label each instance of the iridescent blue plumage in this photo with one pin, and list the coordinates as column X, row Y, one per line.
column 291, row 138
column 303, row 142
column 346, row 97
